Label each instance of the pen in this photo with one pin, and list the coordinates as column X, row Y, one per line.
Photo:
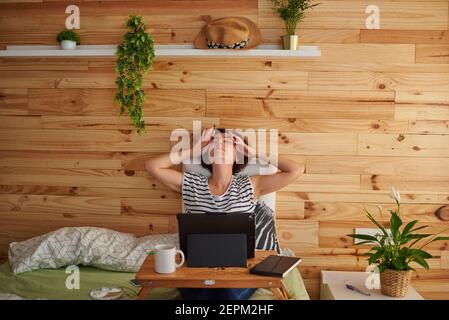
column 353, row 288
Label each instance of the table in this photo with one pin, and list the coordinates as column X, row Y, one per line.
column 333, row 287
column 231, row 277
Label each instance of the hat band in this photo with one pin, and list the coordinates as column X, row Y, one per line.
column 237, row 45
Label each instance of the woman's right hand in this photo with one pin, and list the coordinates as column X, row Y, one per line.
column 206, row 138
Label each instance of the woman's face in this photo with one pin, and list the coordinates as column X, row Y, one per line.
column 222, row 148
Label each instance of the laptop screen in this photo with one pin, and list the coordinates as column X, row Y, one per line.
column 216, row 223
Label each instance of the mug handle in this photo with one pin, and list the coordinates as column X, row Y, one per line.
column 182, row 259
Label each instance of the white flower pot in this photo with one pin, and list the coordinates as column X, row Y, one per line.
column 68, row 45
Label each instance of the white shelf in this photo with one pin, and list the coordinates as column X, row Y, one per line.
column 267, row 50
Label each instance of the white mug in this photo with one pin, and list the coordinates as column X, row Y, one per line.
column 165, row 258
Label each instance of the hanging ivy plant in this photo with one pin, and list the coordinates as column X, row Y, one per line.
column 135, row 56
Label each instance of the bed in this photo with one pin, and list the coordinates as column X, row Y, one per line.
column 36, row 268
column 51, row 284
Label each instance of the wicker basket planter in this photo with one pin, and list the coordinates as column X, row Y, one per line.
column 395, row 283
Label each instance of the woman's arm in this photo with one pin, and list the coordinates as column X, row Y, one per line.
column 160, row 167
column 289, row 171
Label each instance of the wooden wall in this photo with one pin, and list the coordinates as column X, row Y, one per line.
column 371, row 113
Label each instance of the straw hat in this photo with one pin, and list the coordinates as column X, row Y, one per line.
column 228, row 33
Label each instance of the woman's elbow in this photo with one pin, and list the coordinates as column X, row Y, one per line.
column 299, row 170
column 150, row 167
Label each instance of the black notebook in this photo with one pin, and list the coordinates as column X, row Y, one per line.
column 275, row 266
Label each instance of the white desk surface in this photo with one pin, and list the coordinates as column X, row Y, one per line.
column 336, row 281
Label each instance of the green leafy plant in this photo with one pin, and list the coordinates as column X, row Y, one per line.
column 68, row 35
column 292, row 12
column 135, row 56
column 396, row 248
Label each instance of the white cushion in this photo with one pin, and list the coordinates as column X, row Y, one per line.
column 89, row 246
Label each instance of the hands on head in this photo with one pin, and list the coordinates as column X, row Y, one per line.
column 219, row 139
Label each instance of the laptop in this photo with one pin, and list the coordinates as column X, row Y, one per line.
column 217, row 223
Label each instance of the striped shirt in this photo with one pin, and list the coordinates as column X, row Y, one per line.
column 197, row 197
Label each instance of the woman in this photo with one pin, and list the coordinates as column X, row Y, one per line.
column 223, row 191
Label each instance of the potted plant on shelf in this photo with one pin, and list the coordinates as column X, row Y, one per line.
column 135, row 56
column 396, row 249
column 68, row 39
column 291, row 12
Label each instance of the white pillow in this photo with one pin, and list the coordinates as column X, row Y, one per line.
column 89, row 246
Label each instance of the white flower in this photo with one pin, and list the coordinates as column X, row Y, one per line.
column 394, row 193
column 379, row 206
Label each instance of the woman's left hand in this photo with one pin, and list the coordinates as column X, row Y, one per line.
column 240, row 145
column 249, row 151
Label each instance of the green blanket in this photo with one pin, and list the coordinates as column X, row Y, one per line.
column 51, row 284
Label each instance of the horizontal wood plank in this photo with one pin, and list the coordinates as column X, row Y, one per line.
column 13, row 101
column 415, row 15
column 322, row 125
column 20, row 122
column 429, row 53
column 84, row 140
column 317, row 143
column 313, row 36
column 378, row 81
column 31, row 224
column 363, row 196
column 68, row 160
column 124, row 123
column 433, row 127
column 113, row 16
column 42, row 63
column 325, row 183
column 408, row 145
column 77, row 178
column 421, row 112
column 404, row 36
column 28, row 79
column 300, row 104
column 141, row 206
column 334, row 211
column 155, row 191
column 274, row 64
column 20, row 204
column 422, row 97
column 409, row 183
column 292, row 210
column 163, row 80
column 297, row 234
column 378, row 165
column 90, row 102
column 372, row 53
